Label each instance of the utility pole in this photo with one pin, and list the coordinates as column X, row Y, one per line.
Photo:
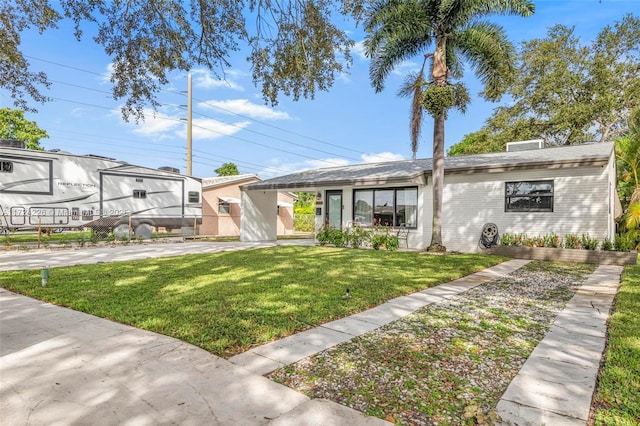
column 189, row 125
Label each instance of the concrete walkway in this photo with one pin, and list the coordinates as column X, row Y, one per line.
column 59, row 366
column 556, row 384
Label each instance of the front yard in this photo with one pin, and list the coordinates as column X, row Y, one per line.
column 447, row 363
column 229, row 302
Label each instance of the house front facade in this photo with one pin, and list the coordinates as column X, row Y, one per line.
column 561, row 190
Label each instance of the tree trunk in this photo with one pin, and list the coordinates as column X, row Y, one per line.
column 438, row 183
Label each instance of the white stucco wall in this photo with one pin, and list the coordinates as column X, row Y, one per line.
column 580, row 205
column 258, row 219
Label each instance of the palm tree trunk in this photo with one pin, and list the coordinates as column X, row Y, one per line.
column 438, row 183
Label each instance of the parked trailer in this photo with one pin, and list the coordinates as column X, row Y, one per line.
column 52, row 189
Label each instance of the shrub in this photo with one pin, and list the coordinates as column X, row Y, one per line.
column 606, row 245
column 571, row 241
column 588, row 243
column 507, row 239
column 551, row 240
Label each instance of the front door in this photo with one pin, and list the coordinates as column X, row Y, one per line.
column 333, row 213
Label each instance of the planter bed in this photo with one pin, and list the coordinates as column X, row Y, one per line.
column 566, row 255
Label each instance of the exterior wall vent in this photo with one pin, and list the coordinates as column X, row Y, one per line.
column 525, row 145
column 12, row 143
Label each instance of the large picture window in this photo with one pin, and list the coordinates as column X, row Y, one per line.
column 529, row 196
column 386, row 207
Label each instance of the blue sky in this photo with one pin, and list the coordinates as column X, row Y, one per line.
column 348, row 124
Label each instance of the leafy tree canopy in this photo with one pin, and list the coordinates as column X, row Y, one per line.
column 295, row 47
column 227, row 169
column 13, row 125
column 566, row 92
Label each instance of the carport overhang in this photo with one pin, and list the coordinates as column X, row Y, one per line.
column 259, row 200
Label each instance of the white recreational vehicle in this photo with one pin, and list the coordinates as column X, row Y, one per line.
column 49, row 189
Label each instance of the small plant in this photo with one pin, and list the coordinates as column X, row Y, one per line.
column 507, row 239
column 155, row 235
column 571, row 241
column 81, row 241
column 111, row 237
column 606, row 245
column 622, row 243
column 588, row 243
column 551, row 240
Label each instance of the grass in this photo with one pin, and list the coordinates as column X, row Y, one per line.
column 617, row 398
column 229, row 302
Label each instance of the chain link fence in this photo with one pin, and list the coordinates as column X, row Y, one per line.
column 69, row 230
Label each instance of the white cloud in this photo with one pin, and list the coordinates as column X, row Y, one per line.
column 157, row 123
column 405, row 68
column 381, row 157
column 204, row 79
column 209, row 128
column 245, row 107
column 358, row 50
column 278, row 168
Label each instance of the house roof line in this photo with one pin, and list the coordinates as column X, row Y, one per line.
column 415, row 171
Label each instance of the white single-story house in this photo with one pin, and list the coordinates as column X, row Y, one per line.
column 528, row 189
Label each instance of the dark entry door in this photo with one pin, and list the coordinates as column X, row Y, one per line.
column 333, row 213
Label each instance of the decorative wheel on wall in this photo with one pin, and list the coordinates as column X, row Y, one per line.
column 489, row 235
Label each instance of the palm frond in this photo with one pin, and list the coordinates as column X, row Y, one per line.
column 491, row 55
column 413, row 86
column 397, row 30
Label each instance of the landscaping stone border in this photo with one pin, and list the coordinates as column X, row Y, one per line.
column 598, row 257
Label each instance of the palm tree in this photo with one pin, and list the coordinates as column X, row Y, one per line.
column 447, row 33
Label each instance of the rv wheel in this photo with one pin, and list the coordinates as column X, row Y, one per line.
column 143, row 231
column 121, row 231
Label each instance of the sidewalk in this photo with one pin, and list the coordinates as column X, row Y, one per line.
column 59, row 366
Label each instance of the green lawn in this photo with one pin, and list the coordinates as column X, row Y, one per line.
column 229, row 302
column 618, row 395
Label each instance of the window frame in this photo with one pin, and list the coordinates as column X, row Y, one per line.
column 550, row 195
column 6, row 166
column 140, row 194
column 193, row 195
column 224, row 208
column 395, row 191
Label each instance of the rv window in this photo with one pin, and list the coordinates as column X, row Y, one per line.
column 87, row 214
column 139, row 180
column 6, row 166
column 139, row 193
column 75, row 213
column 224, row 208
column 194, row 197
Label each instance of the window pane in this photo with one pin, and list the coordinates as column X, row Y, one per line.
column 529, row 196
column 407, row 207
column 363, row 207
column 383, row 210
column 224, row 208
column 194, row 197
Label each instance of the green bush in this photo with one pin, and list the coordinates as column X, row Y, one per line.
column 606, row 245
column 304, row 222
column 588, row 243
column 571, row 241
column 551, row 240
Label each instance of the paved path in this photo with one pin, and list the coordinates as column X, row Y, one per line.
column 59, row 366
column 556, row 384
column 36, row 259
